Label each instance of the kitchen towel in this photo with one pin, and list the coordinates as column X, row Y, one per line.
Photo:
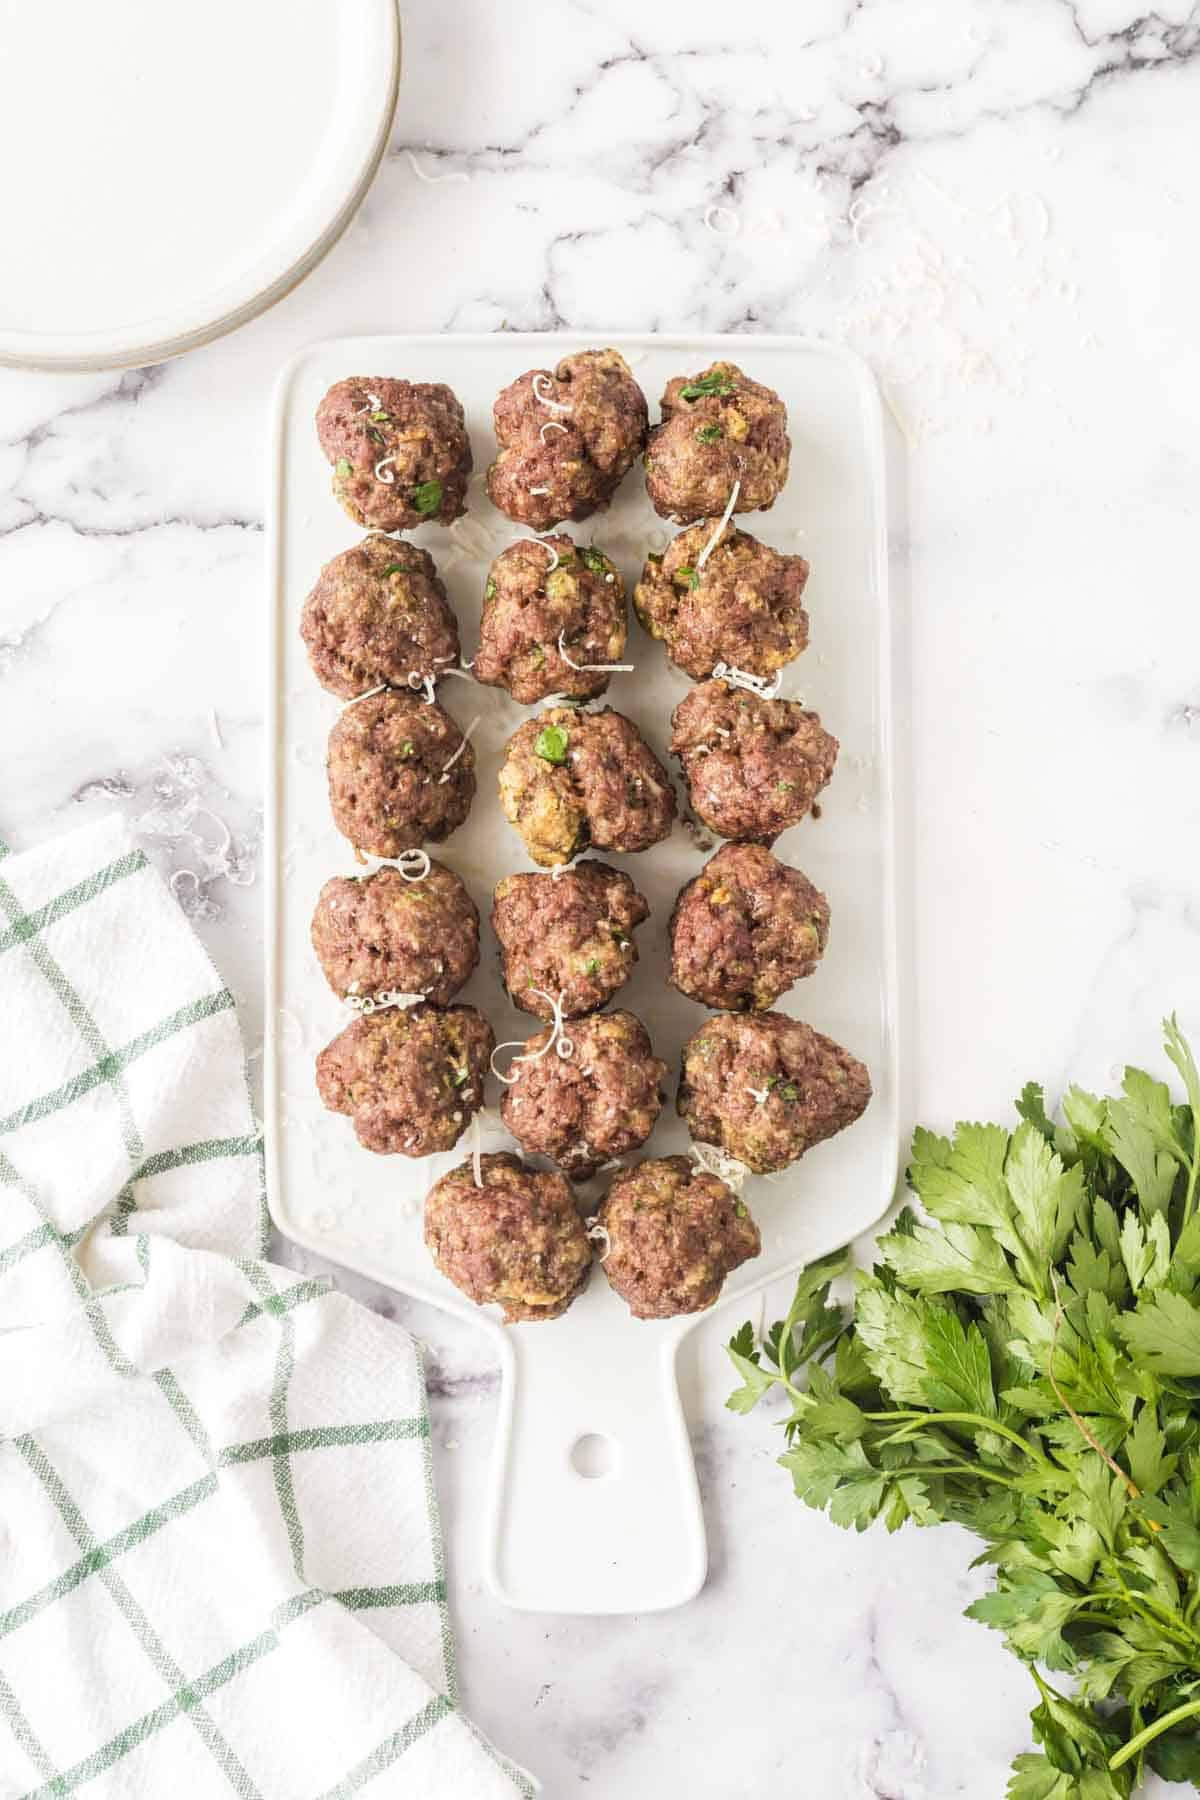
column 220, row 1562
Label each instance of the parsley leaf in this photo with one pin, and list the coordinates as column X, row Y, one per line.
column 717, row 381
column 427, row 497
column 551, row 744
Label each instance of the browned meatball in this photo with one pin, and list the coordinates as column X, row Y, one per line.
column 674, row 1234
column 599, row 1101
column 516, row 1241
column 410, row 1080
column 570, row 936
column 564, row 460
column 541, row 616
column 765, row 1088
column 385, row 933
column 378, row 613
column 570, row 779
column 753, row 766
column 718, row 428
column 740, row 606
column 400, row 451
column 745, row 929
column 398, row 774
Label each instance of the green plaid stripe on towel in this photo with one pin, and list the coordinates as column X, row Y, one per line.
column 220, row 1562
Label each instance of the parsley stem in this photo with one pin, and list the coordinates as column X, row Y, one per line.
column 1164, row 1722
column 966, row 1418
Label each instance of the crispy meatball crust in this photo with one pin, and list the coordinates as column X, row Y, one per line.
column 745, row 929
column 515, row 1242
column 600, row 783
column 416, row 435
column 753, row 766
column 410, row 1080
column 528, row 606
column 600, row 1101
column 733, row 429
column 553, row 464
column 387, row 756
column 381, row 933
column 674, row 1234
column 378, row 613
column 741, row 606
column 765, row 1088
column 570, row 936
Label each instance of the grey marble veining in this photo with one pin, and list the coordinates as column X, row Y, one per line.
column 991, row 200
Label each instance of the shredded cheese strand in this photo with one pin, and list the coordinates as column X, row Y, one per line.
column 365, row 1004
column 417, row 681
column 557, row 1039
column 542, row 545
column 380, row 466
column 725, row 518
column 371, row 406
column 715, row 1162
column 553, row 405
column 417, row 859
column 754, row 684
column 598, row 1234
column 370, row 694
column 552, row 425
column 466, row 738
column 591, row 668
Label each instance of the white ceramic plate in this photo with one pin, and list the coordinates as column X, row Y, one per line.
column 557, row 1538
column 174, row 169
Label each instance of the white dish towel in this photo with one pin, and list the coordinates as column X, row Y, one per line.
column 220, row 1562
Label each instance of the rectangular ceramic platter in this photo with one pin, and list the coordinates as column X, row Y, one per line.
column 364, row 1211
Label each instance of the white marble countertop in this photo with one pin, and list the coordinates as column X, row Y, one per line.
column 989, row 200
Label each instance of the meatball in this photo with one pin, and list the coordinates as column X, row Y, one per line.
column 566, row 440
column 516, row 1241
column 739, row 606
column 765, row 1088
column 545, row 621
column 401, row 773
column 600, row 1101
column 384, row 933
column 378, row 613
column 410, row 1080
column 718, row 428
column 569, row 936
column 745, row 929
column 400, row 451
column 753, row 766
column 674, row 1234
column 570, row 779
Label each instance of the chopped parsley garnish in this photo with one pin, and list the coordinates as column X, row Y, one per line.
column 408, row 748
column 538, row 654
column 461, row 1076
column 551, row 744
column 343, row 468
column 741, row 1209
column 593, row 965
column 620, row 937
column 376, row 436
column 394, row 569
column 427, row 498
column 784, row 787
column 708, row 434
column 717, row 382
column 686, row 576
column 381, row 418
column 654, row 556
column 789, row 1091
column 593, row 560
column 489, row 592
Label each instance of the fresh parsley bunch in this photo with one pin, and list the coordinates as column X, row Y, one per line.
column 1024, row 1359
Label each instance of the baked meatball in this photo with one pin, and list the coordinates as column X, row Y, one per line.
column 410, row 1080
column 570, row 936
column 400, row 451
column 399, row 774
column 765, row 1088
column 570, row 779
column 378, row 613
column 599, row 1101
column 753, row 766
column 745, row 929
column 516, row 1241
column 718, row 428
column 740, row 606
column 545, row 621
column 385, row 933
column 674, row 1234
column 565, row 440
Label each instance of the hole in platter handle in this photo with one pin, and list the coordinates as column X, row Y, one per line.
column 594, row 1505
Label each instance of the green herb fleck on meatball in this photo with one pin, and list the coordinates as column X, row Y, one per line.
column 551, row 744
column 427, row 498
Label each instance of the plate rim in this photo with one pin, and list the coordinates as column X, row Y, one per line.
column 154, row 341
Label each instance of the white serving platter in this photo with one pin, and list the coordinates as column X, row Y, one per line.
column 175, row 169
column 558, row 1535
